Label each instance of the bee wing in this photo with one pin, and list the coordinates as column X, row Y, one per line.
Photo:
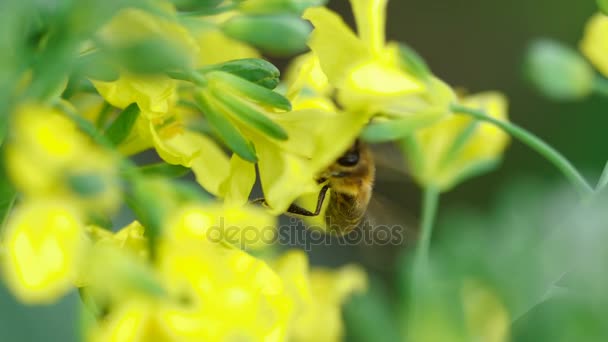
column 390, row 229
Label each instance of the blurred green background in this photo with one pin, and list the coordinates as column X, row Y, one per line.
column 475, row 44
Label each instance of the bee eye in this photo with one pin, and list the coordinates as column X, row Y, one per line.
column 350, row 158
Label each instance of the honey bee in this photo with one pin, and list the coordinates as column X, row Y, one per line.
column 350, row 181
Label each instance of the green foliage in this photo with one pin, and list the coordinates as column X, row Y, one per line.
column 603, row 5
column 118, row 131
column 228, row 133
column 250, row 115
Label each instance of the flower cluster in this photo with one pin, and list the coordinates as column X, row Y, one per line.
column 185, row 80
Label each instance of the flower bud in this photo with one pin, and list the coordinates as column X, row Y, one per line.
column 278, row 35
column 254, row 70
column 278, row 6
column 558, row 71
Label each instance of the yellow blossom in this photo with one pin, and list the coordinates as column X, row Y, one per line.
column 219, row 223
column 214, row 293
column 458, row 147
column 44, row 242
column 130, row 238
column 48, row 156
column 322, row 320
column 155, row 95
column 367, row 72
column 594, row 44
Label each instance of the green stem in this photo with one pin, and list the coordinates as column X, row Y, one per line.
column 535, row 143
column 603, row 182
column 429, row 210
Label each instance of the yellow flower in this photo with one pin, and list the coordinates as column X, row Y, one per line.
column 214, row 293
column 595, row 42
column 155, row 95
column 322, row 319
column 44, row 242
column 130, row 238
column 318, row 295
column 458, row 147
column 48, row 156
column 220, row 223
column 368, row 73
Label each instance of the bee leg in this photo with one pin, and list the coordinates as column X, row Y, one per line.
column 296, row 210
column 299, row 211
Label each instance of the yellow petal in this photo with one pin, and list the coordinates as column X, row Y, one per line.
column 370, row 16
column 305, row 72
column 438, row 164
column 284, row 176
column 237, row 186
column 247, row 226
column 155, row 95
column 595, row 42
column 337, row 47
column 43, row 243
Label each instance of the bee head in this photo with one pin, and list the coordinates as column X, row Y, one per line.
column 354, row 164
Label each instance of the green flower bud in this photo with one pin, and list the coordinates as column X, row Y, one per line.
column 558, row 71
column 254, row 70
column 279, row 6
column 278, row 35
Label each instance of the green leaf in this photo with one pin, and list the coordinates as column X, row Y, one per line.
column 254, row 92
column 250, row 115
column 254, row 70
column 228, row 133
column 121, row 127
column 279, row 35
column 165, row 170
column 389, row 130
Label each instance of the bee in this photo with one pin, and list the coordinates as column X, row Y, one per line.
column 350, row 182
